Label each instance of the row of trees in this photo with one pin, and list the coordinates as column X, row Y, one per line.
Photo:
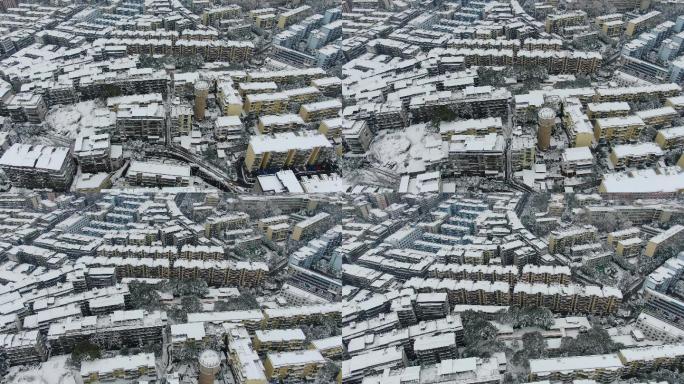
column 527, row 317
column 146, row 296
column 528, row 78
column 480, row 337
column 327, row 328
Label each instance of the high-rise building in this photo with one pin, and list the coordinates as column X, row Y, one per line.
column 201, row 95
column 546, row 122
column 209, row 365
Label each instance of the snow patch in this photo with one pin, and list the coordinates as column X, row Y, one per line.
column 69, row 120
column 404, row 146
column 53, row 371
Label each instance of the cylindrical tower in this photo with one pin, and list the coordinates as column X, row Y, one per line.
column 201, row 95
column 209, row 364
column 546, row 120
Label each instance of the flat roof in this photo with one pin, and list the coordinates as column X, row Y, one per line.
column 159, row 168
column 281, row 142
column 35, row 156
column 575, row 363
column 307, row 356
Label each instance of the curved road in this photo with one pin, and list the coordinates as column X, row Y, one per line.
column 209, row 172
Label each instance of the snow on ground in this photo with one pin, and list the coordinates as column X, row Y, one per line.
column 53, row 371
column 403, row 146
column 371, row 177
column 68, row 120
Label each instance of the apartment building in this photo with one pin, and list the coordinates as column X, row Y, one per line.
column 201, row 252
column 372, row 362
column 357, row 137
column 131, row 267
column 664, row 307
column 315, row 112
column 658, row 117
column 643, row 92
column 523, row 152
column 293, row 365
column 434, row 349
column 278, row 340
column 478, row 127
column 578, row 161
column 285, row 150
column 24, row 347
column 474, row 370
column 156, row 174
column 330, row 347
column 618, row 129
column 560, row 62
column 578, row 126
column 477, row 155
column 130, row 368
column 135, row 122
column 647, row 359
column 556, row 22
column 483, row 101
column 379, row 116
column 221, row 272
column 430, row 306
column 266, row 103
column 642, row 23
column 245, row 362
column 613, row 28
column 567, row 298
column 601, row 368
column 213, row 16
column 623, row 234
column 291, row 317
column 27, row 107
column 287, row 76
column 662, row 278
column 332, row 128
column 93, row 153
column 561, row 240
column 265, row 21
column 664, row 239
column 250, row 319
column 329, row 86
column 657, row 329
column 413, row 330
column 465, row 291
column 228, row 127
column 478, row 272
column 215, row 225
column 608, row 109
column 303, row 95
column 100, row 299
column 128, row 327
column 248, row 88
column 310, row 226
column 639, row 155
column 662, row 182
column 630, row 247
column 670, row 137
column 280, row 123
column 180, row 119
column 546, row 274
column 38, row 166
column 292, row 16
column 228, row 98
